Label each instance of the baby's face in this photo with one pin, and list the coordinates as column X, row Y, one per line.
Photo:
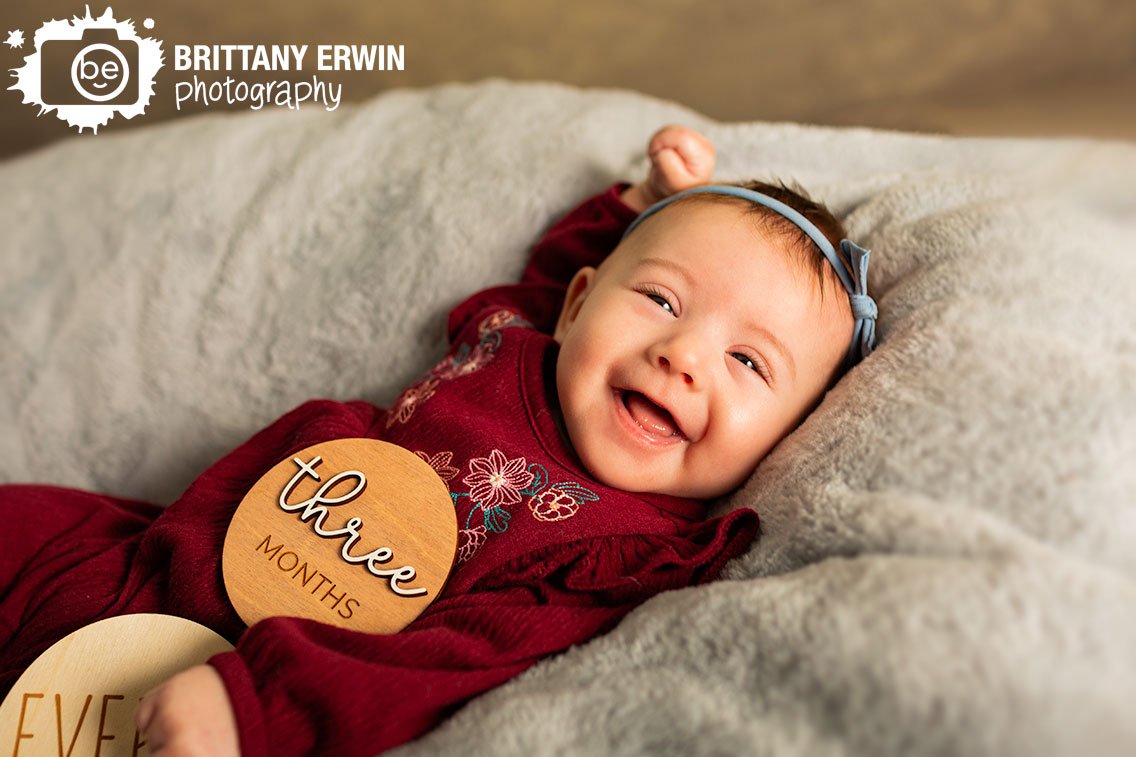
column 692, row 351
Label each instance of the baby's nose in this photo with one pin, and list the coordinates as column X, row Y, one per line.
column 681, row 355
column 666, row 365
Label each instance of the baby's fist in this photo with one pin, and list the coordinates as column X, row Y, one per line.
column 189, row 714
column 680, row 158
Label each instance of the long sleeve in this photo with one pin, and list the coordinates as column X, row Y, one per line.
column 298, row 685
column 583, row 237
column 179, row 559
column 83, row 556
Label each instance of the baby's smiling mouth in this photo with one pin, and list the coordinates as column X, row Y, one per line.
column 653, row 418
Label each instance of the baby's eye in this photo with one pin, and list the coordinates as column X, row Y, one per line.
column 661, row 301
column 747, row 361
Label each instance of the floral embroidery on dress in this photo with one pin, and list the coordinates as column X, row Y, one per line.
column 469, row 541
column 405, row 405
column 464, row 361
column 440, row 462
column 558, row 501
column 467, row 360
column 500, row 320
column 497, row 483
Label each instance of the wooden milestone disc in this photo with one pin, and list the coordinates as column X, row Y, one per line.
column 80, row 695
column 356, row 533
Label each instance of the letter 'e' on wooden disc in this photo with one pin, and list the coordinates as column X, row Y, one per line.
column 79, row 697
column 355, row 533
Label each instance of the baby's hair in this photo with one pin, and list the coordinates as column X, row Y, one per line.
column 803, row 250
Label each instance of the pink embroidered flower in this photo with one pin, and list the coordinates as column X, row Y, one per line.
column 496, row 322
column 561, row 501
column 409, row 400
column 452, row 367
column 441, row 465
column 495, row 481
column 469, row 541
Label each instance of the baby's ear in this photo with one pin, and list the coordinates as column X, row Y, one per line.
column 578, row 290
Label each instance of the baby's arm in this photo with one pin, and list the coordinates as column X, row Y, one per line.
column 192, row 712
column 681, row 158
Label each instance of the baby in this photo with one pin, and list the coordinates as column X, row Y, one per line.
column 664, row 337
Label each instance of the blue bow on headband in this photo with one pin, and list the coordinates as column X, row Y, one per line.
column 855, row 282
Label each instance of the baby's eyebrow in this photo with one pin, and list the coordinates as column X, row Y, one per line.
column 765, row 334
column 671, row 266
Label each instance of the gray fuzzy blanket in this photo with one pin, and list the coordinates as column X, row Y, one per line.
column 948, row 564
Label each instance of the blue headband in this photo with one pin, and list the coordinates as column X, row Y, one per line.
column 855, row 282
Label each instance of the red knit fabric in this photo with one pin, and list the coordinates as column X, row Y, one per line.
column 548, row 557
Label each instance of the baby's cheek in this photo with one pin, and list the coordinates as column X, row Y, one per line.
column 724, row 471
column 746, row 439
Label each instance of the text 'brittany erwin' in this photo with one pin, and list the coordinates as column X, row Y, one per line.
column 289, row 57
column 35, row 741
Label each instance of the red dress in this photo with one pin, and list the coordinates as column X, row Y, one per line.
column 548, row 557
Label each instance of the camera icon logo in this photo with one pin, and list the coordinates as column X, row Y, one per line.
column 98, row 68
column 89, row 69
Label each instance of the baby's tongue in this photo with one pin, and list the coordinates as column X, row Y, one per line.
column 649, row 415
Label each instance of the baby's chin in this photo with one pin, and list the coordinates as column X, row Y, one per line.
column 609, row 471
column 605, row 468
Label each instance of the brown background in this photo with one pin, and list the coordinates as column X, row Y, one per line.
column 1002, row 67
